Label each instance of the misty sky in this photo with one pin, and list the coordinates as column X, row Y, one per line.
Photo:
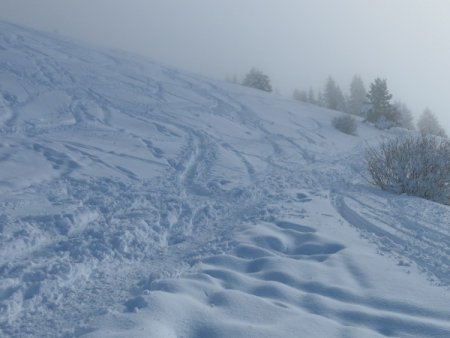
column 298, row 43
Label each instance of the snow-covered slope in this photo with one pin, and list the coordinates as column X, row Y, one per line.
column 141, row 201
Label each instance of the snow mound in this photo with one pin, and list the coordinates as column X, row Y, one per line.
column 141, row 201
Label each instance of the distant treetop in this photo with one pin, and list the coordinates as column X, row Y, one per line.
column 257, row 79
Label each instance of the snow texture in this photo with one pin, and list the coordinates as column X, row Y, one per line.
column 142, row 201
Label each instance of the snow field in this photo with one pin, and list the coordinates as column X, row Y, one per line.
column 142, row 201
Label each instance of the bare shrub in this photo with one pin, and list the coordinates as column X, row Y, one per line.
column 415, row 165
column 345, row 123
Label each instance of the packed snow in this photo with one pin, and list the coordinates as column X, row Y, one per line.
column 142, row 201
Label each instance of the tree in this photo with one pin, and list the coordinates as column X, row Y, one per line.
column 300, row 95
column 257, row 79
column 405, row 115
column 333, row 97
column 382, row 111
column 321, row 99
column 358, row 96
column 428, row 124
column 311, row 96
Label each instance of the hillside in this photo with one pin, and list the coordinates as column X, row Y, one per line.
column 142, row 201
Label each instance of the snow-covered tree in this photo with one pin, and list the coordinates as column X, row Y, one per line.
column 382, row 111
column 358, row 96
column 405, row 117
column 428, row 124
column 321, row 99
column 257, row 79
column 333, row 96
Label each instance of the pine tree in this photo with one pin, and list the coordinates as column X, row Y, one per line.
column 405, row 117
column 382, row 111
column 358, row 96
column 321, row 99
column 333, row 96
column 311, row 96
column 257, row 79
column 428, row 124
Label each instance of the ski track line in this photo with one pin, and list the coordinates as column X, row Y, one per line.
column 401, row 238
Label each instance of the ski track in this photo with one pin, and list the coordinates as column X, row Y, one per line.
column 418, row 240
column 146, row 198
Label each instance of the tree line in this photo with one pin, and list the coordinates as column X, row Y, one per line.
column 374, row 105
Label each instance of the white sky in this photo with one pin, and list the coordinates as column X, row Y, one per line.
column 298, row 43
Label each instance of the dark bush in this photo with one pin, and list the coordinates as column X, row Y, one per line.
column 257, row 79
column 345, row 123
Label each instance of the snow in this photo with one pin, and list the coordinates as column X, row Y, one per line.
column 142, row 201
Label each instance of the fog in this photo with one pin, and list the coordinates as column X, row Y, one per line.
column 298, row 43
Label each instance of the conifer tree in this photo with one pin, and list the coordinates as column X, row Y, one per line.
column 321, row 99
column 405, row 115
column 358, row 96
column 311, row 96
column 428, row 124
column 257, row 79
column 382, row 110
column 333, row 96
